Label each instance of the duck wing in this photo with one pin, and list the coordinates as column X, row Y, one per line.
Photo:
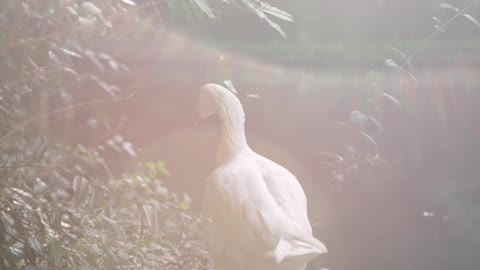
column 289, row 223
column 257, row 213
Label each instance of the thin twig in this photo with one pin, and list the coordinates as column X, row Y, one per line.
column 424, row 42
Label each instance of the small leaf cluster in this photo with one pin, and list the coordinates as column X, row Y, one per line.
column 62, row 205
column 75, row 214
column 202, row 8
column 361, row 132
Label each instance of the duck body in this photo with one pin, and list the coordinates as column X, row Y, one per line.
column 255, row 210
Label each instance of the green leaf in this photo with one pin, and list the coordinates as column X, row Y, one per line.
column 22, row 192
column 411, row 76
column 70, row 52
column 89, row 8
column 448, row 6
column 172, row 227
column 162, row 168
column 6, row 219
column 372, row 142
column 39, row 186
column 391, row 63
column 80, row 187
column 332, row 156
column 109, row 88
column 15, row 251
column 472, row 19
column 97, row 199
column 55, row 252
column 375, row 123
column 276, row 27
column 35, row 245
column 110, row 221
column 185, row 203
column 41, row 147
column 358, row 117
column 392, row 99
column 399, row 52
column 87, row 23
column 129, row 2
column 21, row 263
column 204, row 7
column 71, row 11
column 282, row 15
column 260, row 8
column 128, row 147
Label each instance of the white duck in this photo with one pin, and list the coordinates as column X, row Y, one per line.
column 256, row 211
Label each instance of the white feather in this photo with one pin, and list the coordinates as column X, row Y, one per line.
column 256, row 210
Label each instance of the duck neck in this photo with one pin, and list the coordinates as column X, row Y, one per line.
column 232, row 138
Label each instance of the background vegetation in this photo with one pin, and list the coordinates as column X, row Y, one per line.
column 64, row 205
column 94, row 94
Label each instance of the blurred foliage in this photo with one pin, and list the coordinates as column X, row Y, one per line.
column 362, row 130
column 69, row 212
column 348, row 22
column 371, row 128
column 62, row 206
column 322, row 54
